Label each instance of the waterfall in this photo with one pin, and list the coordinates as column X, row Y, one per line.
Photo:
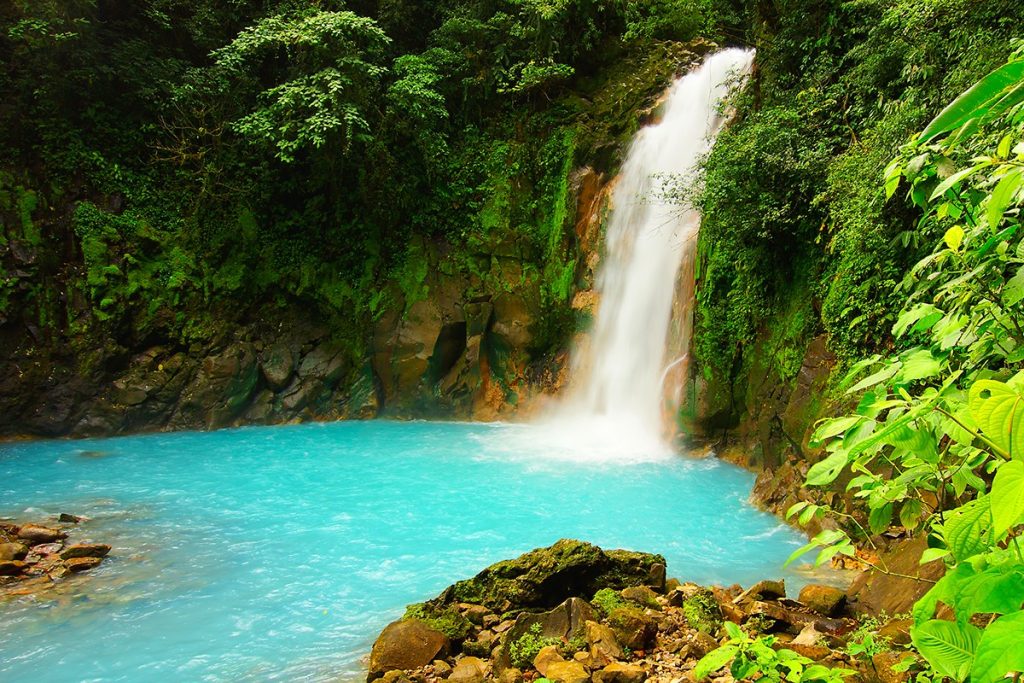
column 616, row 398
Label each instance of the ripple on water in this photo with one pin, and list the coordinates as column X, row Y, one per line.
column 279, row 553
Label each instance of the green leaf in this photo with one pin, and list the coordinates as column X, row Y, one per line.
column 967, row 529
column 1002, row 196
column 1007, row 497
column 954, row 237
column 825, row 472
column 914, row 316
column 998, row 410
column 944, row 591
column 714, row 660
column 952, row 180
column 997, row 590
column 919, row 364
column 976, row 101
column 1013, row 290
column 880, row 518
column 877, row 378
column 1000, row 650
column 948, row 646
column 833, row 428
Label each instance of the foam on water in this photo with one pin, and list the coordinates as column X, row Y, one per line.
column 279, row 553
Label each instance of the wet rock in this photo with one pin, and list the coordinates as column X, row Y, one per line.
column 618, row 672
column 567, row 672
column 277, row 363
column 441, row 668
column 47, row 548
column 875, row 593
column 40, row 534
column 85, row 550
column 546, row 577
column 406, row 644
column 633, row 628
column 823, row 599
column 82, row 564
column 762, row 590
column 11, row 567
column 468, row 670
column 12, row 551
column 70, row 519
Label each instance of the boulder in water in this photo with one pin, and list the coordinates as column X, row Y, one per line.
column 40, row 534
column 12, row 551
column 403, row 645
column 85, row 550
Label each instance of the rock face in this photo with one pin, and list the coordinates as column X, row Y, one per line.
column 875, row 593
column 546, row 577
column 406, row 644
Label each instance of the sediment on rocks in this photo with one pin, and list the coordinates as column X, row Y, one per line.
column 35, row 555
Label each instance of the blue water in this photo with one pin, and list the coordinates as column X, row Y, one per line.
column 279, row 553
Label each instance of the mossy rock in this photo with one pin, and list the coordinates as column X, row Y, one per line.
column 546, row 577
column 445, row 619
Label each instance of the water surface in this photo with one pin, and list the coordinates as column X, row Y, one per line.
column 279, row 553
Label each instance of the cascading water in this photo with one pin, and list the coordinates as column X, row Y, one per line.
column 615, row 404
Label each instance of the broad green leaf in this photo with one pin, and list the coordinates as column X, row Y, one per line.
column 1007, row 497
column 945, row 591
column 857, row 368
column 911, row 317
column 967, row 529
column 956, row 178
column 1002, row 196
column 893, row 174
column 825, row 472
column 932, row 554
column 954, row 237
column 833, row 428
column 998, row 410
column 714, row 660
column 880, row 518
column 1000, row 649
column 948, row 646
column 882, row 375
column 1013, row 290
column 975, row 101
column 795, row 508
column 997, row 590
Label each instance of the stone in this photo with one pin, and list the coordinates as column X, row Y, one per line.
column 85, row 550
column 40, row 534
column 511, row 675
column 475, row 613
column 70, row 519
column 701, row 644
column 822, row 599
column 82, row 564
column 11, row 567
column 874, row 593
column 546, row 577
column 441, row 667
column 617, row 672
column 604, row 646
column 395, row 676
column 672, row 584
column 642, row 595
column 817, row 653
column 763, row 590
column 547, row 656
column 633, row 628
column 12, row 551
column 567, row 621
column 468, row 670
column 567, row 672
column 882, row 665
column 47, row 548
column 405, row 644
column 897, row 631
column 785, row 619
column 277, row 363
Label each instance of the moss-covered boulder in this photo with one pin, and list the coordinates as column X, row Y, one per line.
column 546, row 577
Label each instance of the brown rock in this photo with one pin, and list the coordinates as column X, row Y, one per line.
column 441, row 667
column 405, row 644
column 565, row 622
column 545, row 658
column 672, row 584
column 633, row 628
column 604, row 646
column 823, row 599
column 883, row 663
column 70, row 519
column 816, row 652
column 874, row 593
column 476, row 613
column 511, row 675
column 34, row 534
column 567, row 672
column 618, row 672
column 11, row 567
column 642, row 595
column 85, row 550
column 701, row 644
column 82, row 564
column 762, row 590
column 12, row 551
column 396, row 676
column 468, row 670
column 897, row 631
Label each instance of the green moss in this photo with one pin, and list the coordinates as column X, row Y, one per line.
column 607, row 600
column 523, row 650
column 702, row 612
column 446, row 620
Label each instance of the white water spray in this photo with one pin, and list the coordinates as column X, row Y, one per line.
column 615, row 403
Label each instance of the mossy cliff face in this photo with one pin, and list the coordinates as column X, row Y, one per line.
column 103, row 332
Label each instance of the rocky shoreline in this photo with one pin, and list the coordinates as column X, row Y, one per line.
column 34, row 556
column 574, row 613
